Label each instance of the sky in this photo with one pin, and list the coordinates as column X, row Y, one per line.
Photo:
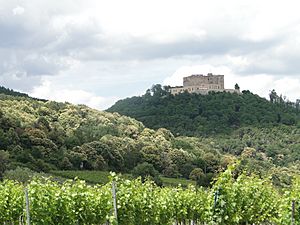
column 97, row 52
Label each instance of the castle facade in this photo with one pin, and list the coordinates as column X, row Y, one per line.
column 202, row 84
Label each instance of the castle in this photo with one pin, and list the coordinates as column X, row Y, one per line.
column 202, row 84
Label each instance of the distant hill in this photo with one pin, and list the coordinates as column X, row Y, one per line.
column 202, row 115
column 7, row 91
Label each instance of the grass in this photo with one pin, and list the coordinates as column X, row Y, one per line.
column 95, row 177
column 102, row 177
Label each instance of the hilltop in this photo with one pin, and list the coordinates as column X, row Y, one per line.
column 203, row 115
column 7, row 91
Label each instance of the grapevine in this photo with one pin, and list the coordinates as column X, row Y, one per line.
column 230, row 201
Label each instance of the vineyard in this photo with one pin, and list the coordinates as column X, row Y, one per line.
column 230, row 201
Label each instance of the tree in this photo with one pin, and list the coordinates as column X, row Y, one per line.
column 201, row 179
column 66, row 164
column 146, row 170
column 248, row 152
column 20, row 174
column 211, row 162
column 4, row 159
column 203, row 115
column 236, row 87
column 172, row 171
column 158, row 91
column 273, row 96
column 297, row 104
column 196, row 174
column 152, row 155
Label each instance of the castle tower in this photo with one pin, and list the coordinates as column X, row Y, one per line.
column 202, row 84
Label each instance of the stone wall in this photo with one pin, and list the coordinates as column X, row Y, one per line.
column 202, row 84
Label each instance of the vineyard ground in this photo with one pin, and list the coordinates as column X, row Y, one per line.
column 102, row 177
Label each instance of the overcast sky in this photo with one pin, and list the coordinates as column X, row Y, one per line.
column 96, row 52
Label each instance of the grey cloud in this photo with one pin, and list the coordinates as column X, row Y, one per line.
column 43, row 64
column 207, row 47
column 145, row 49
column 41, row 49
column 268, row 64
column 280, row 59
column 74, row 39
column 28, row 50
column 31, row 47
column 25, row 32
column 33, row 63
column 19, row 81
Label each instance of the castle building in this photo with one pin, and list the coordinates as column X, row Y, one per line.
column 202, row 84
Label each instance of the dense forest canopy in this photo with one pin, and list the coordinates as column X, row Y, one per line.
column 48, row 135
column 203, row 115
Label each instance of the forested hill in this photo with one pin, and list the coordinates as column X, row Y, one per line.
column 215, row 113
column 51, row 135
column 7, row 91
column 47, row 135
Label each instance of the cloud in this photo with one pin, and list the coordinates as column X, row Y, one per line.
column 19, row 81
column 76, row 96
column 18, row 10
column 288, row 87
column 104, row 50
column 39, row 44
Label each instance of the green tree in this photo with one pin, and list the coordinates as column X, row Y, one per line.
column 196, row 174
column 4, row 159
column 236, row 87
column 273, row 96
column 147, row 170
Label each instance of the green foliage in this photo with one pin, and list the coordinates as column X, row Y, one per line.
column 245, row 200
column 147, row 171
column 4, row 157
column 196, row 174
column 46, row 135
column 215, row 113
column 11, row 201
column 8, row 91
column 19, row 174
column 232, row 200
column 92, row 177
column 71, row 203
column 49, row 135
column 102, row 177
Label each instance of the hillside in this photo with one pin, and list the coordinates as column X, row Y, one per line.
column 38, row 132
column 203, row 115
column 47, row 136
